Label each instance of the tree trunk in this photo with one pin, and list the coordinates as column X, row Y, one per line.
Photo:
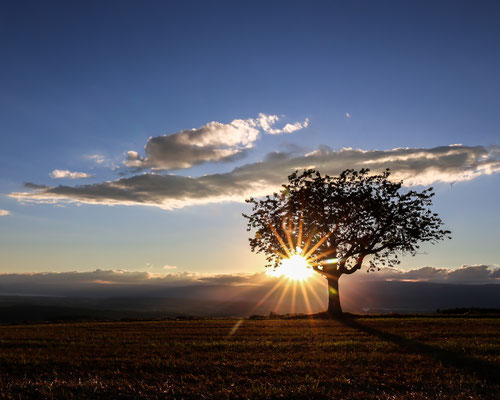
column 334, row 308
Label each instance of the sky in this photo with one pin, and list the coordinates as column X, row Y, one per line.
column 133, row 131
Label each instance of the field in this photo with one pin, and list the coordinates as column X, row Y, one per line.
column 365, row 358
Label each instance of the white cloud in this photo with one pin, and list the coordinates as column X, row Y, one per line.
column 415, row 166
column 347, row 115
column 266, row 122
column 214, row 142
column 169, row 267
column 3, row 213
column 65, row 174
column 290, row 128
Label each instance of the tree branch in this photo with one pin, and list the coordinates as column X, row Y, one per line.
column 359, row 263
column 319, row 271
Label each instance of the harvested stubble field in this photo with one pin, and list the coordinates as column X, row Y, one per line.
column 365, row 358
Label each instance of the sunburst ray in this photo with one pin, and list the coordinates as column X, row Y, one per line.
column 299, row 235
column 294, row 296
column 322, row 255
column 280, row 239
column 315, row 295
column 282, row 296
column 306, row 297
column 320, row 242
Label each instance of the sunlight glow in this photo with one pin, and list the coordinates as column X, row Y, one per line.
column 295, row 268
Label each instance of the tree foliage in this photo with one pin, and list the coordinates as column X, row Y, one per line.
column 355, row 217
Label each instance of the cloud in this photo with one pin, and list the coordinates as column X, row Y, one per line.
column 65, row 174
column 34, row 186
column 103, row 161
column 347, row 115
column 3, row 213
column 267, row 121
column 119, row 277
column 262, row 293
column 214, row 142
column 290, row 128
column 97, row 158
column 466, row 274
column 169, row 267
column 416, row 166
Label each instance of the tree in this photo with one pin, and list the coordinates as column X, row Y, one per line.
column 341, row 223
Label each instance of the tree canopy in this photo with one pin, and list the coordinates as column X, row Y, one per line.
column 341, row 222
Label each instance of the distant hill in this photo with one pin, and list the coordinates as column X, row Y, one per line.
column 16, row 309
column 235, row 301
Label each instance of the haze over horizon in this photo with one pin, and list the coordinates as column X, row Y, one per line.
column 132, row 135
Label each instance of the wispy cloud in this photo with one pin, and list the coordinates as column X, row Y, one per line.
column 3, row 213
column 104, row 161
column 416, row 166
column 97, row 158
column 214, row 142
column 65, row 174
column 347, row 115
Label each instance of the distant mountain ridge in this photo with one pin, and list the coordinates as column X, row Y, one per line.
column 208, row 300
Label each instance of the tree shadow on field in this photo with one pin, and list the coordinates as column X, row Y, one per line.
column 481, row 369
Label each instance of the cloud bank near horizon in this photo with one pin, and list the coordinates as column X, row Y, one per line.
column 466, row 274
column 422, row 289
column 213, row 142
column 247, row 294
column 415, row 166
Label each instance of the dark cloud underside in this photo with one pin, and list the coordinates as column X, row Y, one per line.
column 413, row 165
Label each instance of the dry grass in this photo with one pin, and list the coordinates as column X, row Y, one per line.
column 410, row 358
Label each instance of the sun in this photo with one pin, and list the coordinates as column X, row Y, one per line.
column 298, row 262
column 295, row 268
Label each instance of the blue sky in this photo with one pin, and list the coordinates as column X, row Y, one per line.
column 83, row 79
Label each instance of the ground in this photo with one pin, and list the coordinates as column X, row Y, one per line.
column 362, row 358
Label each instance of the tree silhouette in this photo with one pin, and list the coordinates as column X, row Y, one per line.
column 339, row 223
